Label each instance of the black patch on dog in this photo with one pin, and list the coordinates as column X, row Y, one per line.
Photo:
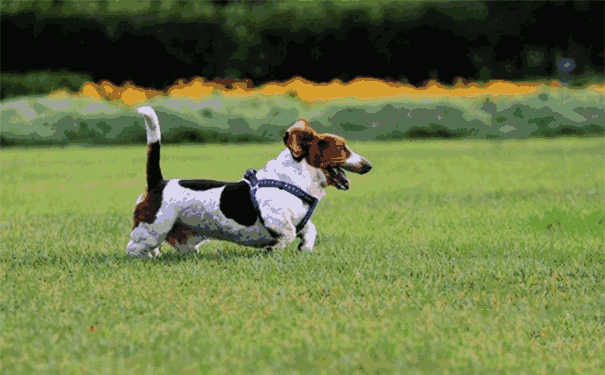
column 201, row 185
column 236, row 203
column 154, row 172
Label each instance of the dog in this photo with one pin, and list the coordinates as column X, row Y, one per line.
column 268, row 208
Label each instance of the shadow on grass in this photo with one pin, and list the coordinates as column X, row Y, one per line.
column 171, row 257
column 13, row 260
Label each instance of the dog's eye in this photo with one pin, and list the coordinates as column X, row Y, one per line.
column 322, row 143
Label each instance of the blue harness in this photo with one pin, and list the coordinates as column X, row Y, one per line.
column 255, row 183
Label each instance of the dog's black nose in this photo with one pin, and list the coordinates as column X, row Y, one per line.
column 367, row 166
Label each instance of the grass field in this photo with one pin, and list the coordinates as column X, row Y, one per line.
column 449, row 257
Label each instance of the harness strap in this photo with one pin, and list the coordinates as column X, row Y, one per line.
column 255, row 183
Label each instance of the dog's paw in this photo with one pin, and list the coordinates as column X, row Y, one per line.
column 154, row 253
column 140, row 251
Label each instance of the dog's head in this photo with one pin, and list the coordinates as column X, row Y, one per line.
column 327, row 152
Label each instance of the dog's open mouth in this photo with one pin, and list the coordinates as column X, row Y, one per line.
column 338, row 178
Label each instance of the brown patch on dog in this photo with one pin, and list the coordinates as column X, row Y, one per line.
column 179, row 233
column 298, row 137
column 328, row 150
column 146, row 210
column 320, row 150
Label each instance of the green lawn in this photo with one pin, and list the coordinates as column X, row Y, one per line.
column 449, row 257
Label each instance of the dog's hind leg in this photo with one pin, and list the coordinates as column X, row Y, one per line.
column 132, row 248
column 145, row 240
column 150, row 230
column 184, row 239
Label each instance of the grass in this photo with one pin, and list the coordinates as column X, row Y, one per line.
column 449, row 257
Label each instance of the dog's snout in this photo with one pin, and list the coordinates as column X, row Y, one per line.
column 366, row 167
column 360, row 166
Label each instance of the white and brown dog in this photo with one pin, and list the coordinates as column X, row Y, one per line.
column 268, row 208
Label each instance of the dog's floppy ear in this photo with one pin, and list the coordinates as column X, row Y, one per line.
column 298, row 137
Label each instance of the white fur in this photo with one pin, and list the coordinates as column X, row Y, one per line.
column 151, row 123
column 354, row 160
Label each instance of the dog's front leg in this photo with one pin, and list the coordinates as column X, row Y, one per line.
column 307, row 236
column 284, row 229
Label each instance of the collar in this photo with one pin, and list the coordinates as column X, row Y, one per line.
column 250, row 177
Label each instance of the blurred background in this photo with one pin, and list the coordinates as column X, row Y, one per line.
column 103, row 48
column 156, row 42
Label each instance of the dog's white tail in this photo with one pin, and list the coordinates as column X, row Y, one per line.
column 151, row 123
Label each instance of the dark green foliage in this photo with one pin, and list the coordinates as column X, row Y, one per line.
column 37, row 83
column 154, row 43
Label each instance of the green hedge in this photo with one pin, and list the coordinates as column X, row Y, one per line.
column 68, row 120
